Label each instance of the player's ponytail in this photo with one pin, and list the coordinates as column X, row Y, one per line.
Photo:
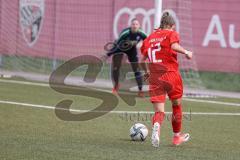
column 166, row 21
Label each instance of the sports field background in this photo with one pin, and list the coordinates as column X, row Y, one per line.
column 31, row 133
column 29, row 127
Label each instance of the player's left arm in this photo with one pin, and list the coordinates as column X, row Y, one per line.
column 178, row 48
column 143, row 59
column 174, row 41
column 144, row 67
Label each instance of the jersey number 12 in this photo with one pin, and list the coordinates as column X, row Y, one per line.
column 152, row 53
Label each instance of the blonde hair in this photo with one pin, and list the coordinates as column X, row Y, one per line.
column 167, row 20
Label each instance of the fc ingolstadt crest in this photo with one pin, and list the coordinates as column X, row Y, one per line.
column 31, row 14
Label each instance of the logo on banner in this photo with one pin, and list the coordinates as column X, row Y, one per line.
column 147, row 20
column 31, row 13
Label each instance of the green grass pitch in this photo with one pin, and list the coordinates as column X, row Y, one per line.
column 28, row 133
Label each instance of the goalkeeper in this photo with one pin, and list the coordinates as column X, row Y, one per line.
column 127, row 43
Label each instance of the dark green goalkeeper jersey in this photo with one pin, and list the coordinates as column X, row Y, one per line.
column 127, row 41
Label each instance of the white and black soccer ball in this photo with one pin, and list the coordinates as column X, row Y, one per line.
column 138, row 132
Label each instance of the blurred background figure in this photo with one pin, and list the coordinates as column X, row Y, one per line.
column 127, row 43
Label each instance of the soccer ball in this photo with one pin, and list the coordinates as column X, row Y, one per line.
column 138, row 132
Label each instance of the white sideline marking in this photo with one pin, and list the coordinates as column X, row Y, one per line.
column 116, row 112
column 26, row 83
column 213, row 102
column 186, row 99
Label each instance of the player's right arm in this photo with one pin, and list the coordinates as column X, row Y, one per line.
column 123, row 35
column 144, row 57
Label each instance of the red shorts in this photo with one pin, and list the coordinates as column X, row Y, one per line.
column 169, row 84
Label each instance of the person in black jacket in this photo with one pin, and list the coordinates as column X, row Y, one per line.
column 127, row 44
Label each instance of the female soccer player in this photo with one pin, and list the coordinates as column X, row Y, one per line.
column 134, row 35
column 161, row 49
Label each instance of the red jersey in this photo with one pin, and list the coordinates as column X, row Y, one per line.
column 157, row 47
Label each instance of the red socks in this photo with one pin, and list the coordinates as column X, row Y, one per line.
column 177, row 118
column 158, row 117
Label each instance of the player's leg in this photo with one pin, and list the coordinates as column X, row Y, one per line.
column 178, row 137
column 133, row 59
column 158, row 102
column 176, row 97
column 157, row 121
column 176, row 116
column 116, row 65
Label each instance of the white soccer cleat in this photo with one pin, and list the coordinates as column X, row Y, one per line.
column 156, row 135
